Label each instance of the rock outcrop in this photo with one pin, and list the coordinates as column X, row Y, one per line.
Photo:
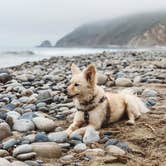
column 45, row 43
column 155, row 36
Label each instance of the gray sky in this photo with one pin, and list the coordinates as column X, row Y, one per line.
column 28, row 22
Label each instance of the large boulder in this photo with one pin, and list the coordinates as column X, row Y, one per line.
column 47, row 149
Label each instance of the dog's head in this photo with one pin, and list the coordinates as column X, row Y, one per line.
column 82, row 83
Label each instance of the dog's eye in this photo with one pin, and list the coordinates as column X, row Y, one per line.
column 76, row 84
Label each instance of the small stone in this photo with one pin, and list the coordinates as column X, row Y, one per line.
column 14, row 115
column 59, row 129
column 44, row 96
column 26, row 156
column 125, row 82
column 24, row 99
column 41, row 104
column 5, row 76
column 27, row 92
column 119, row 144
column 91, row 136
column 4, row 130
column 104, row 140
column 3, row 115
column 10, row 106
column 67, row 159
column 114, row 150
column 150, row 102
column 101, row 79
column 149, row 93
column 74, row 142
column 18, row 163
column 137, row 79
column 30, row 106
column 32, row 99
column 76, row 136
column 9, row 143
column 112, row 142
column 41, row 137
column 21, row 149
column 161, row 64
column 32, row 163
column 43, row 109
column 94, row 152
column 64, row 145
column 5, row 100
column 23, row 125
column 4, row 153
column 58, row 137
column 4, row 162
column 47, row 149
column 28, row 115
column 80, row 148
column 30, row 137
column 44, row 124
column 25, row 142
column 124, row 146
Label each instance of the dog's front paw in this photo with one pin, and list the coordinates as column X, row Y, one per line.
column 130, row 122
column 68, row 132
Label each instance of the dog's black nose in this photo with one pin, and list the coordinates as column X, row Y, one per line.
column 65, row 91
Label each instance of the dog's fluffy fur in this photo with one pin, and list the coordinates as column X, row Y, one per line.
column 83, row 88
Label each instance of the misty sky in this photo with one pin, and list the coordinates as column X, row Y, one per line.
column 28, row 22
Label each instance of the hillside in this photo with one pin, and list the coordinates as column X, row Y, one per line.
column 146, row 29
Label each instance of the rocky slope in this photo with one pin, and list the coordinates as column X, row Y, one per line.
column 35, row 110
column 146, row 29
column 155, row 36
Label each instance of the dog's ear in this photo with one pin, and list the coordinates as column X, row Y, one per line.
column 75, row 69
column 90, row 74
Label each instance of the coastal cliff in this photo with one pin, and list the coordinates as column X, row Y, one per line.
column 146, row 29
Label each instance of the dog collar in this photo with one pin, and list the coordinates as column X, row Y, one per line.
column 89, row 102
column 91, row 108
column 86, row 111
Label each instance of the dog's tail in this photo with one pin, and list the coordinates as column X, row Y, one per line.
column 141, row 105
column 133, row 101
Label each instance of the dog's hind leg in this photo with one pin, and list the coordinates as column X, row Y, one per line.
column 132, row 112
column 131, row 117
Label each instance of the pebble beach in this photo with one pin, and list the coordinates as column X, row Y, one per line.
column 35, row 110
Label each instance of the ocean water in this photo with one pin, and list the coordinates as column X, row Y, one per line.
column 16, row 56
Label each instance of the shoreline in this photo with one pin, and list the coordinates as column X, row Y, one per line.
column 44, row 53
column 93, row 55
